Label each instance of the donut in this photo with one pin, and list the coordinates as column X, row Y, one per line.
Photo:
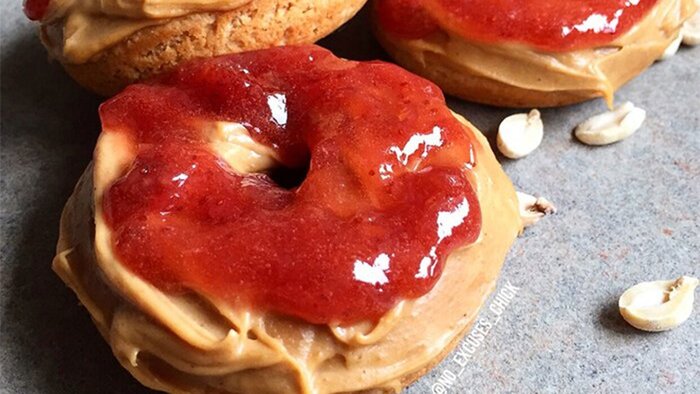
column 107, row 44
column 284, row 221
column 538, row 53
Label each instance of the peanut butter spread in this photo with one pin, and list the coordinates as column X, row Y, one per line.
column 194, row 343
column 599, row 69
column 75, row 30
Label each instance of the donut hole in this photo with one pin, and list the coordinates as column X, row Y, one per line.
column 289, row 177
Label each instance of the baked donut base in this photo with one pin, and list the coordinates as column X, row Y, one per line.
column 257, row 25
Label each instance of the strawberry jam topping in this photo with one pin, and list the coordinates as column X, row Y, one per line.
column 35, row 9
column 405, row 18
column 386, row 198
column 548, row 25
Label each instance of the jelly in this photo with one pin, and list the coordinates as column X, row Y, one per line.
column 386, row 199
column 544, row 24
column 35, row 9
column 406, row 18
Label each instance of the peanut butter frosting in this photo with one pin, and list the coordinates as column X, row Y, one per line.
column 596, row 71
column 75, row 30
column 194, row 343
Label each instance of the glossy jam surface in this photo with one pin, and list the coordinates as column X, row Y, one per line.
column 385, row 200
column 544, row 24
column 35, row 9
column 406, row 18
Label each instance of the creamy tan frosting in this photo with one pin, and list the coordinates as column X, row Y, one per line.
column 600, row 70
column 194, row 343
column 233, row 144
column 75, row 30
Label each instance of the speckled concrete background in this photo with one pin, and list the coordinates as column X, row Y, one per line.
column 627, row 213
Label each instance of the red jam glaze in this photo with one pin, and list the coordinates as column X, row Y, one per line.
column 386, row 199
column 548, row 25
column 405, row 18
column 35, row 9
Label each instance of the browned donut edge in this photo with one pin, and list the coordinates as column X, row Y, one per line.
column 257, row 25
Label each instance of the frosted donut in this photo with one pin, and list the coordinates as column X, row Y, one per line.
column 529, row 53
column 206, row 271
column 107, row 44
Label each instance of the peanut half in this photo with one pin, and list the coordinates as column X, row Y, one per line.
column 691, row 30
column 658, row 306
column 612, row 126
column 520, row 134
column 532, row 208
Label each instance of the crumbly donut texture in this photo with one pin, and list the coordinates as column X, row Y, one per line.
column 513, row 75
column 193, row 344
column 160, row 44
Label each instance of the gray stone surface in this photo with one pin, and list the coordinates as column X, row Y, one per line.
column 627, row 213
